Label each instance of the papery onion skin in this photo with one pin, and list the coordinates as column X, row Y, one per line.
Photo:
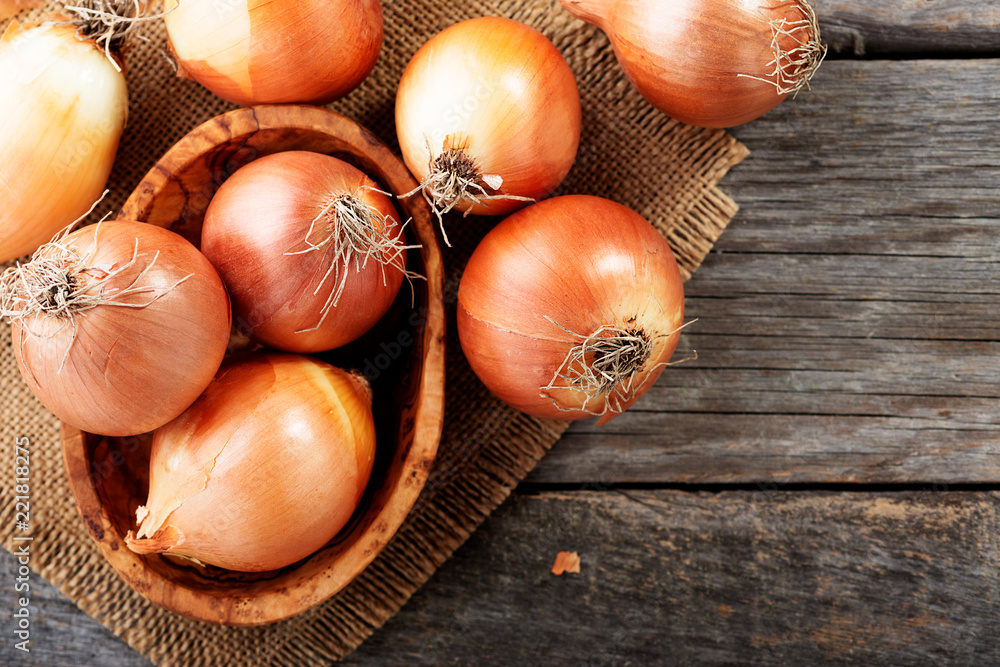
column 707, row 63
column 275, row 51
column 264, row 469
column 501, row 89
column 574, row 263
column 262, row 213
column 63, row 106
column 129, row 370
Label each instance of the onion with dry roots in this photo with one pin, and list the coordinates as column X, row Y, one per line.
column 571, row 308
column 63, row 105
column 265, row 468
column 275, row 51
column 311, row 250
column 710, row 63
column 117, row 327
column 488, row 117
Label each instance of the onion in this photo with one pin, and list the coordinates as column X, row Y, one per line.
column 311, row 251
column 571, row 308
column 710, row 63
column 264, row 469
column 117, row 327
column 275, row 51
column 488, row 117
column 63, row 102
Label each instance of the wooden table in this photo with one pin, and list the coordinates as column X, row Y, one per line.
column 821, row 485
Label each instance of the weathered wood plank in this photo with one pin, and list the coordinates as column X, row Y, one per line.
column 883, row 158
column 849, row 320
column 766, row 577
column 61, row 635
column 798, row 452
column 730, row 578
column 910, row 27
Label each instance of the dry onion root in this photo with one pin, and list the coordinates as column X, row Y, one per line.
column 111, row 24
column 611, row 362
column 571, row 308
column 116, row 327
column 797, row 48
column 454, row 178
column 488, row 117
column 356, row 232
column 710, row 63
column 326, row 229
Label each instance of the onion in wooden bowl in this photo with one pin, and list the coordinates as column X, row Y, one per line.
column 110, row 476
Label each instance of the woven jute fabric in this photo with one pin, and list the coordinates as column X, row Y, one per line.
column 629, row 152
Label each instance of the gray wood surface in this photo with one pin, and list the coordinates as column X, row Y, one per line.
column 60, row 634
column 675, row 578
column 910, row 28
column 671, row 577
column 848, row 333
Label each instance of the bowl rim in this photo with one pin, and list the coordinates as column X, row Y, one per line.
column 224, row 607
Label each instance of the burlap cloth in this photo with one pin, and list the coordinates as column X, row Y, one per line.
column 629, row 152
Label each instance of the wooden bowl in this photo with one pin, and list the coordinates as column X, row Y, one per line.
column 110, row 476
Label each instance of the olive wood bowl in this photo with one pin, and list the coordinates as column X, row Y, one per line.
column 404, row 357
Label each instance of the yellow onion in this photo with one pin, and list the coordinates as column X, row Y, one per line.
column 311, row 250
column 571, row 308
column 275, row 51
column 488, row 117
column 710, row 63
column 265, row 468
column 63, row 104
column 117, row 327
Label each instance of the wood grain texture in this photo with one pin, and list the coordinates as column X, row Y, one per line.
column 672, row 578
column 849, row 320
column 669, row 577
column 61, row 634
column 855, row 28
